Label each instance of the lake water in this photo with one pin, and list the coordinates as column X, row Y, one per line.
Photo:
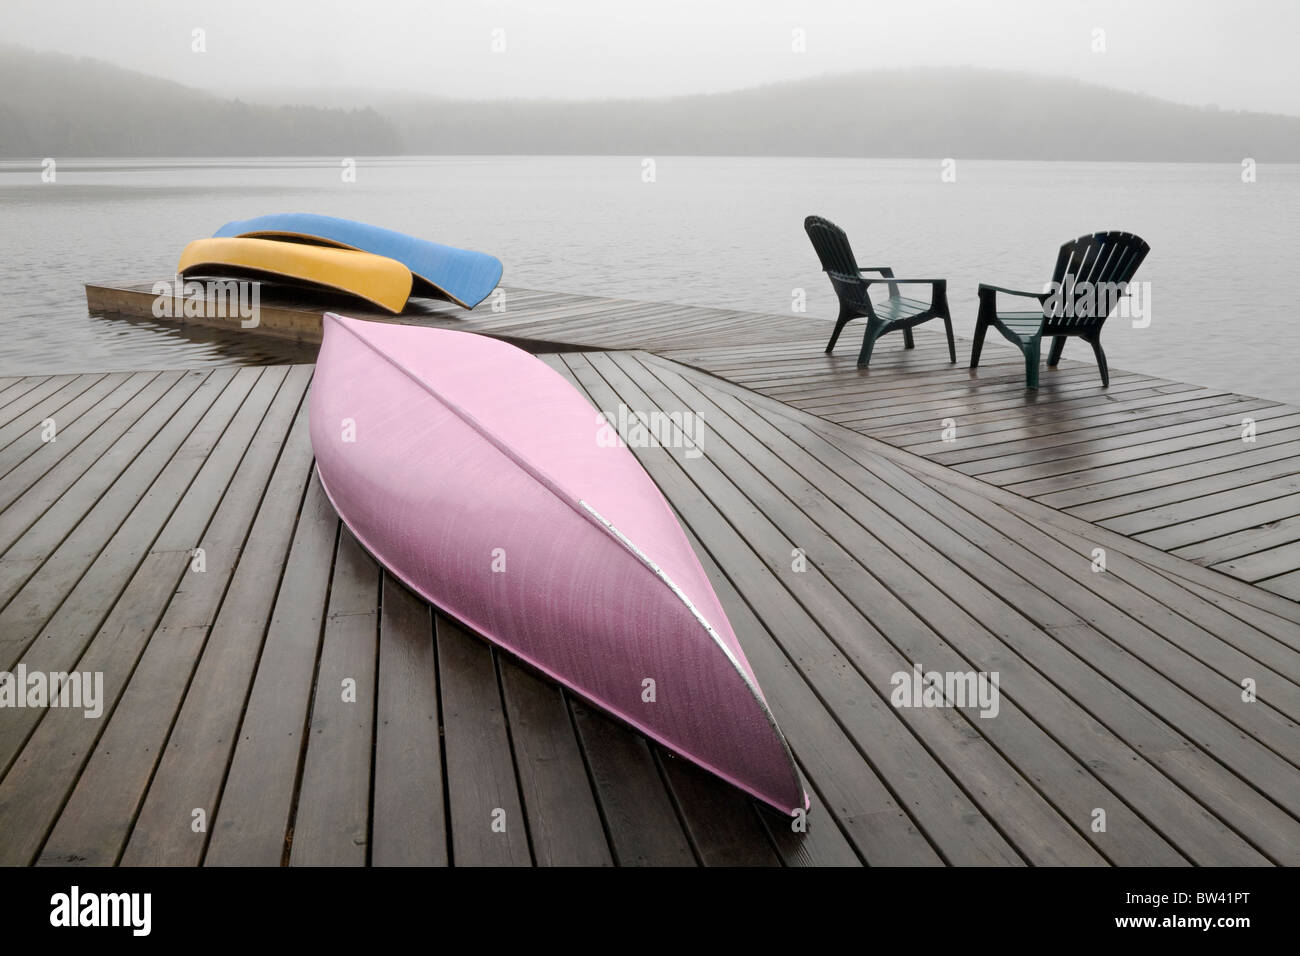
column 1223, row 270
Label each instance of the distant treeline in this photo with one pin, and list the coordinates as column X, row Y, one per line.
column 56, row 105
column 974, row 114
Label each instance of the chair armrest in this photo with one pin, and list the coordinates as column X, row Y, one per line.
column 885, row 271
column 1040, row 296
column 938, row 282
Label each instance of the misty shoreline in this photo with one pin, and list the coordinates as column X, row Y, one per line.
column 59, row 105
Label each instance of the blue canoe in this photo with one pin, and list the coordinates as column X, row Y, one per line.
column 443, row 272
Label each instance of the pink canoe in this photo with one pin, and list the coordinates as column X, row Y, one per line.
column 475, row 474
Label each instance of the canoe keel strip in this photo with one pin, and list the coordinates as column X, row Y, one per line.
column 382, row 281
column 473, row 472
column 444, row 272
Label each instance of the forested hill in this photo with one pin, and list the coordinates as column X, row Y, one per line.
column 969, row 113
column 53, row 105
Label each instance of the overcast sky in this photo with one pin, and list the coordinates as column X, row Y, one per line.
column 1239, row 54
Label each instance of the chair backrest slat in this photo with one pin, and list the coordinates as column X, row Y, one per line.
column 832, row 246
column 1091, row 275
column 838, row 262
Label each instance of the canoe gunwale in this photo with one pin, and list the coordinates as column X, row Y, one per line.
column 282, row 278
column 313, row 239
column 658, row 572
column 294, row 273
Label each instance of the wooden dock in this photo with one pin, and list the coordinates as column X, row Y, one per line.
column 230, row 735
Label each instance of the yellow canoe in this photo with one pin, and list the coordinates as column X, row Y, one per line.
column 378, row 279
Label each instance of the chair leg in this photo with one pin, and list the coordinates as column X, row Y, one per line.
column 952, row 345
column 907, row 339
column 1033, row 352
column 1101, row 360
column 868, row 343
column 978, row 344
column 842, row 321
column 982, row 323
column 1058, row 346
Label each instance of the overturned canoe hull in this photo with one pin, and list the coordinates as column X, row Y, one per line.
column 381, row 281
column 475, row 474
column 444, row 272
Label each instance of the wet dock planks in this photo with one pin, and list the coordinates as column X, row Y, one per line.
column 280, row 700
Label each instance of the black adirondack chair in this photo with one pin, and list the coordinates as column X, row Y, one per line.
column 1092, row 273
column 851, row 286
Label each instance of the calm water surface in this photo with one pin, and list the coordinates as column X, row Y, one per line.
column 1224, row 266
